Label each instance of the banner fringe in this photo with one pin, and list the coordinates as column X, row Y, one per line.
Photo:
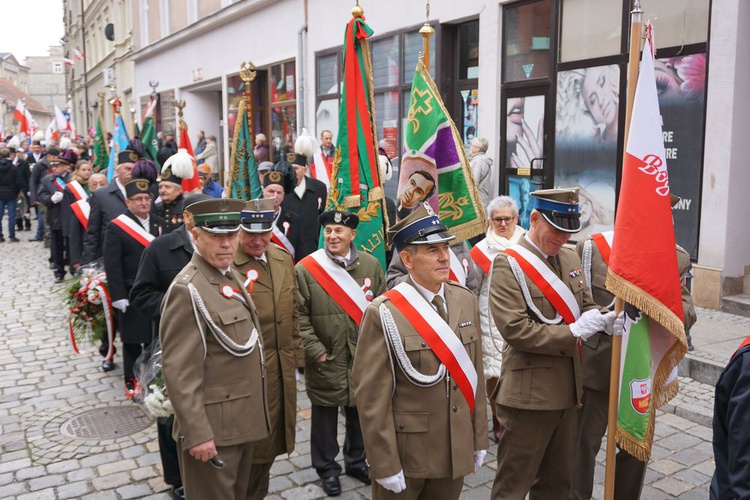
column 352, row 201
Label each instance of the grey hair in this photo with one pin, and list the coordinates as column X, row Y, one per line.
column 480, row 143
column 503, row 201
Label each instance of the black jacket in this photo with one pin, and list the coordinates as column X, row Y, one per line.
column 37, row 174
column 106, row 204
column 44, row 196
column 10, row 180
column 172, row 213
column 306, row 210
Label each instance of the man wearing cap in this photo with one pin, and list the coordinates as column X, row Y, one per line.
column 124, row 241
column 272, row 285
column 160, row 263
column 50, row 194
column 542, row 308
column 212, row 359
column 208, row 185
column 171, row 202
column 307, row 201
column 335, row 283
column 418, row 372
column 285, row 225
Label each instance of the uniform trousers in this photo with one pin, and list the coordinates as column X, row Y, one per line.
column 57, row 247
column 324, row 445
column 168, row 451
column 422, row 489
column 259, row 479
column 130, row 353
column 592, row 423
column 202, row 480
column 535, row 453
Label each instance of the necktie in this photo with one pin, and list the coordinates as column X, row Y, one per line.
column 553, row 262
column 263, row 264
column 437, row 300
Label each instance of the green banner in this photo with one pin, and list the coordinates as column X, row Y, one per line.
column 101, row 155
column 148, row 137
column 243, row 173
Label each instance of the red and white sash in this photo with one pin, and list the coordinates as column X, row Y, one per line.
column 603, row 242
column 278, row 237
column 443, row 341
column 77, row 190
column 459, row 269
column 557, row 292
column 133, row 229
column 337, row 283
column 320, row 169
column 81, row 209
column 483, row 255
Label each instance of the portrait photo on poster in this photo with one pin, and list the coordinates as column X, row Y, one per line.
column 524, row 132
column 418, row 182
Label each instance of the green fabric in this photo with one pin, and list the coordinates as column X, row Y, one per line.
column 243, row 173
column 366, row 197
column 100, row 148
column 148, row 137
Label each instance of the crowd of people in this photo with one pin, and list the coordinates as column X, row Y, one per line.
column 242, row 298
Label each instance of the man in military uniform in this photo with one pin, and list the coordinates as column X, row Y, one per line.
column 161, row 261
column 542, row 307
column 212, row 360
column 125, row 239
column 424, row 421
column 597, row 357
column 50, row 194
column 335, row 286
column 271, row 282
column 171, row 202
column 285, row 223
column 307, row 201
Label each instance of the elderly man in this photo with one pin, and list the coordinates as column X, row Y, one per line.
column 124, row 241
column 543, row 308
column 502, row 231
column 171, row 202
column 212, row 360
column 50, row 194
column 424, row 421
column 481, row 167
column 285, row 224
column 307, row 201
column 271, row 282
column 335, row 285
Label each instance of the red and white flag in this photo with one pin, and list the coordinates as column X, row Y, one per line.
column 150, row 112
column 68, row 62
column 78, row 54
column 23, row 117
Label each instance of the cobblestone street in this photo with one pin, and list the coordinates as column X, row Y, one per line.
column 44, row 385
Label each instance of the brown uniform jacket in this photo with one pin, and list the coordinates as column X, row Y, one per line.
column 275, row 297
column 597, row 350
column 428, row 432
column 541, row 368
column 215, row 395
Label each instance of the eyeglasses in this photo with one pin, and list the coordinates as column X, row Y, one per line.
column 500, row 220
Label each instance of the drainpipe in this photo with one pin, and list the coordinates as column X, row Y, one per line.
column 301, row 78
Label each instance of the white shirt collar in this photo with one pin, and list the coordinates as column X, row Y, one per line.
column 300, row 190
column 430, row 295
column 526, row 237
column 121, row 187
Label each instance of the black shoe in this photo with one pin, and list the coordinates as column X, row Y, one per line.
column 362, row 474
column 13, row 240
column 35, row 239
column 178, row 492
column 331, row 486
column 2, row 240
column 108, row 365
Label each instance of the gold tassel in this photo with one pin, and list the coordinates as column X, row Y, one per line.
column 353, row 201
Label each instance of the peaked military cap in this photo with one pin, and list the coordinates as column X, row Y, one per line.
column 421, row 227
column 217, row 215
column 257, row 216
column 559, row 207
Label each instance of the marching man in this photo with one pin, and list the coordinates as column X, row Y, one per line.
column 418, row 372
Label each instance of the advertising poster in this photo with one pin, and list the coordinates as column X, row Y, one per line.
column 390, row 138
column 471, row 108
column 520, row 189
column 586, row 133
column 524, row 131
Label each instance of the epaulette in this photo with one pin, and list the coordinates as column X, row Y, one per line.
column 458, row 285
column 279, row 247
column 378, row 300
column 187, row 274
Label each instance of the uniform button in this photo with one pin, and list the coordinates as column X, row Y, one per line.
column 455, row 387
column 401, row 427
column 528, row 362
column 455, row 408
column 471, row 337
column 226, row 395
column 278, row 321
column 235, row 316
column 424, row 344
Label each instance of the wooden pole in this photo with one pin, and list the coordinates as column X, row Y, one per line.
column 248, row 74
column 636, row 30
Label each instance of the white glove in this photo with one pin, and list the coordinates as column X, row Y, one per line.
column 618, row 325
column 590, row 322
column 479, row 459
column 121, row 304
column 396, row 483
column 610, row 322
column 56, row 197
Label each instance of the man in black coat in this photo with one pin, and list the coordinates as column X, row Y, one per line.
column 731, row 423
column 171, row 201
column 50, row 195
column 307, row 201
column 106, row 204
column 10, row 187
column 160, row 263
column 38, row 158
column 126, row 237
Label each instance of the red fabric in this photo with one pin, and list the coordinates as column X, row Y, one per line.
column 350, row 72
column 195, row 182
column 19, row 115
column 602, row 245
column 333, row 289
column 480, row 259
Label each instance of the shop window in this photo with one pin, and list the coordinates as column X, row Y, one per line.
column 590, row 28
column 528, row 31
column 677, row 22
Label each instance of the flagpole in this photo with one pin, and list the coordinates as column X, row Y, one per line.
column 248, row 74
column 636, row 29
column 426, row 31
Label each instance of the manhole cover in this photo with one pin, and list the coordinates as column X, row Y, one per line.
column 107, row 423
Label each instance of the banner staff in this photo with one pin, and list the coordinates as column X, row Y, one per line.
column 426, row 31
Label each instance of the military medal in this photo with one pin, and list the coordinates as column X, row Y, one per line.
column 252, row 275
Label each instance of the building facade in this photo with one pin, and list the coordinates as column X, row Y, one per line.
column 546, row 95
column 47, row 79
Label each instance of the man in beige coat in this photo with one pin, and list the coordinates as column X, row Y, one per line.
column 540, row 378
column 273, row 288
column 212, row 360
column 424, row 421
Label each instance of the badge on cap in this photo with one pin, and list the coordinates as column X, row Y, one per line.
column 337, row 217
column 290, row 157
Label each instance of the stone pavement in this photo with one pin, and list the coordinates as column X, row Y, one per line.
column 43, row 385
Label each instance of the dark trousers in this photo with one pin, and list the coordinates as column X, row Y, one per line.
column 592, row 423
column 260, row 475
column 40, row 222
column 57, row 248
column 130, row 353
column 168, row 451
column 324, row 445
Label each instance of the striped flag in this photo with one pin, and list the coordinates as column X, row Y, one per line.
column 78, row 54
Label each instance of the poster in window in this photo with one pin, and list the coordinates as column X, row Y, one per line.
column 390, row 138
column 681, row 85
column 586, row 132
column 520, row 189
column 524, row 132
column 470, row 110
